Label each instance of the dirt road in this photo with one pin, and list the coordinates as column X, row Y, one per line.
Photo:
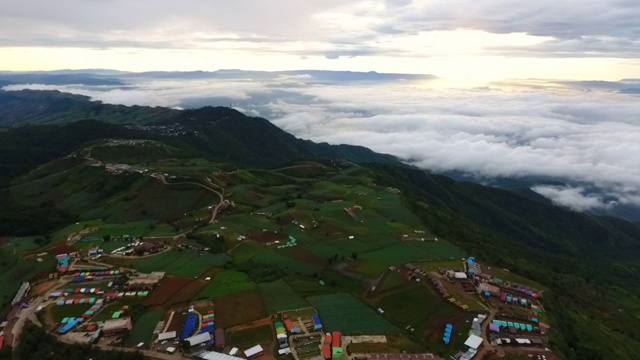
column 214, row 213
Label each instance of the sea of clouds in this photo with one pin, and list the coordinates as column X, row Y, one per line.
column 589, row 138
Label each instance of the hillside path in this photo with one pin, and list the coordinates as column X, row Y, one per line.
column 220, row 195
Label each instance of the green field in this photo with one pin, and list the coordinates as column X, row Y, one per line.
column 225, row 283
column 246, row 339
column 414, row 251
column 181, row 263
column 60, row 312
column 143, row 328
column 24, row 243
column 414, row 305
column 279, row 296
column 343, row 312
column 13, row 272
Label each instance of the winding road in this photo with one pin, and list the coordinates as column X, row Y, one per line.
column 214, row 213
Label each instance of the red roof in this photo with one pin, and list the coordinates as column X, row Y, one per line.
column 327, row 339
column 337, row 339
column 326, row 351
column 289, row 324
column 1, row 341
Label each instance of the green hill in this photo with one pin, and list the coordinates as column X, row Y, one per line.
column 57, row 174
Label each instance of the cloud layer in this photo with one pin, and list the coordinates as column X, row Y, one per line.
column 552, row 130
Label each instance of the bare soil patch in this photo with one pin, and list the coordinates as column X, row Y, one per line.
column 168, row 287
column 238, row 309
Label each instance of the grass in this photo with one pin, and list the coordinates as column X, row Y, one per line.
column 343, row 312
column 181, row 263
column 429, row 266
column 279, row 296
column 397, row 254
column 414, row 305
column 60, row 312
column 23, row 243
column 245, row 339
column 143, row 328
column 308, row 287
column 369, row 268
column 225, row 283
column 510, row 276
column 14, row 271
column 390, row 281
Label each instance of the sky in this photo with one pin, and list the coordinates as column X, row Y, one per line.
column 465, row 42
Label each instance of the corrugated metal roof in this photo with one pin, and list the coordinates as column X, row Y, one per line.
column 212, row 355
column 199, row 339
column 167, row 335
column 253, row 351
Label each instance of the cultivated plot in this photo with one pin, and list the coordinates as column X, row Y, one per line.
column 343, row 312
column 279, row 296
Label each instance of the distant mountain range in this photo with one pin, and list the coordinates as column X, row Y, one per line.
column 93, row 77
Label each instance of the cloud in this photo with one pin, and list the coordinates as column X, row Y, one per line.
column 547, row 129
column 573, row 197
column 571, row 28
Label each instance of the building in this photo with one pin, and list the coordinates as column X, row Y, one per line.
column 212, row 355
column 117, row 326
column 198, row 339
column 167, row 336
column 254, row 351
column 24, row 288
column 474, row 342
column 220, row 338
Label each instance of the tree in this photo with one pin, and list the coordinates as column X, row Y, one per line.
column 106, row 238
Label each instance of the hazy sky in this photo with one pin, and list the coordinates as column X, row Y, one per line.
column 464, row 41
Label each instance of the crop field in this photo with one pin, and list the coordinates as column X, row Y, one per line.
column 168, row 287
column 279, row 296
column 246, row 251
column 414, row 305
column 413, row 251
column 391, row 280
column 182, row 263
column 247, row 338
column 292, row 265
column 369, row 268
column 308, row 287
column 343, row 312
column 188, row 292
column 225, row 283
column 143, row 328
column 238, row 309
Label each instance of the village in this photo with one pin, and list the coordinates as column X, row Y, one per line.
column 512, row 322
column 342, row 272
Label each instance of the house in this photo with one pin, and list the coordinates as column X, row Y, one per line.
column 198, row 339
column 220, row 339
column 117, row 326
column 254, row 351
column 167, row 336
column 212, row 355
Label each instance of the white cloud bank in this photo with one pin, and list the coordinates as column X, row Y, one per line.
column 589, row 138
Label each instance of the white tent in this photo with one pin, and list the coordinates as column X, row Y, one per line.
column 460, row 275
column 473, row 342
